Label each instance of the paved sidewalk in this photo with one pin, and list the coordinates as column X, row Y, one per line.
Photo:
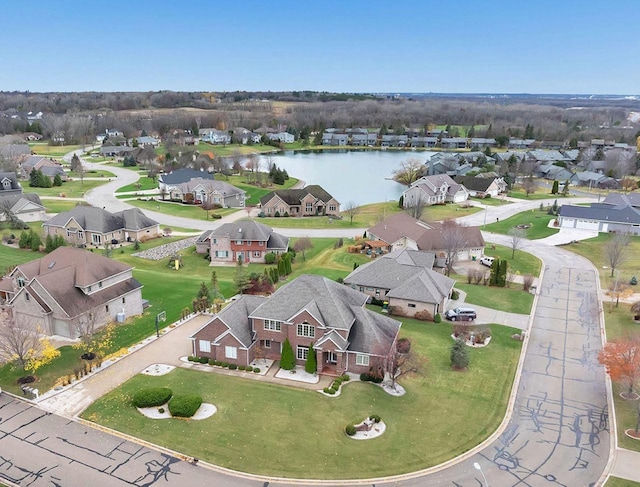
column 626, row 465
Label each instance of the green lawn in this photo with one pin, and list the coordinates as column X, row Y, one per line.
column 540, row 194
column 523, row 263
column 420, row 431
column 539, row 221
column 510, row 299
column 44, row 149
column 92, row 173
column 618, row 482
column 71, row 189
column 254, row 193
column 447, row 212
column 491, row 201
column 367, row 216
column 143, row 184
column 58, row 206
column 194, row 212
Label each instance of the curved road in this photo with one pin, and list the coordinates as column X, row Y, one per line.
column 558, row 433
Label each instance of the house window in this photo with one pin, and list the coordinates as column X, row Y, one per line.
column 215, row 241
column 306, row 330
column 204, row 346
column 272, row 325
column 106, row 308
column 411, row 305
column 362, row 359
column 256, row 253
column 261, row 244
column 96, row 239
column 80, row 235
column 26, row 296
column 267, row 344
column 123, row 300
column 238, row 242
column 302, row 352
column 309, row 207
column 230, row 352
column 20, row 281
column 332, row 207
column 222, row 253
column 69, row 232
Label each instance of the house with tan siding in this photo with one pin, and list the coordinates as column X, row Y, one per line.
column 67, row 286
column 312, row 200
column 310, row 310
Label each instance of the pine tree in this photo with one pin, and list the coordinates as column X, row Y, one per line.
column 287, row 359
column 35, row 240
column 459, row 355
column 25, row 240
column 311, row 365
column 58, row 241
column 48, row 245
column 57, row 181
column 33, row 178
column 554, row 188
column 401, row 202
column 502, row 274
column 495, row 270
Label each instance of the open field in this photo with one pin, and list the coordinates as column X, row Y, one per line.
column 44, row 149
column 540, row 194
column 538, row 221
column 447, row 212
column 238, row 437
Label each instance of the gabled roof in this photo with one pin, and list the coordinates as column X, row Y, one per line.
column 184, row 175
column 427, row 286
column 332, row 301
column 626, row 214
column 295, row 196
column 11, row 176
column 632, row 198
column 98, row 220
column 209, row 186
column 475, row 184
column 372, row 333
column 243, row 230
column 235, row 317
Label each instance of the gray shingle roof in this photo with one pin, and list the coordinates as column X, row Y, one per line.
column 184, row 175
column 626, row 214
column 372, row 332
column 632, row 199
column 295, row 196
column 11, row 176
column 331, row 300
column 98, row 220
column 243, row 230
column 236, row 317
column 210, row 186
column 473, row 183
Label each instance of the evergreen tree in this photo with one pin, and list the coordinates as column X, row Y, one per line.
column 48, row 245
column 35, row 240
column 311, row 365
column 565, row 188
column 75, row 163
column 459, row 355
column 25, row 240
column 554, row 188
column 58, row 241
column 502, row 275
column 57, row 181
column 495, row 270
column 33, row 178
column 287, row 360
column 401, row 202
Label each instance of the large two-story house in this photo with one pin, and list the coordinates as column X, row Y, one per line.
column 246, row 240
column 433, row 190
column 88, row 225
column 192, row 186
column 67, row 286
column 312, row 200
column 310, row 310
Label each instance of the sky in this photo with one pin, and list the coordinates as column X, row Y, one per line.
column 373, row 46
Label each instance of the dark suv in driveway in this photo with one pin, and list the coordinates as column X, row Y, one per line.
column 461, row 314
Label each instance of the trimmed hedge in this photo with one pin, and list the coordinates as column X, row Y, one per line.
column 376, row 379
column 256, row 370
column 375, row 417
column 184, row 406
column 152, row 397
column 350, row 430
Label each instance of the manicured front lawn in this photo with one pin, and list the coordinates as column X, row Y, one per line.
column 538, row 221
column 194, row 212
column 447, row 212
column 277, row 430
column 523, row 263
column 540, row 194
column 367, row 216
column 254, row 193
column 44, row 149
column 498, row 201
column 58, row 206
column 618, row 482
column 92, row 173
column 71, row 189
column 143, row 184
column 510, row 299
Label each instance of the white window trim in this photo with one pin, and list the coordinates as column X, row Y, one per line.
column 204, row 346
column 362, row 359
column 306, row 330
column 304, row 350
column 230, row 352
column 272, row 325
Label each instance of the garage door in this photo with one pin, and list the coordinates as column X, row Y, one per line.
column 568, row 223
column 587, row 225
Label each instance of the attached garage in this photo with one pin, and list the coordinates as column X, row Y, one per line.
column 587, row 225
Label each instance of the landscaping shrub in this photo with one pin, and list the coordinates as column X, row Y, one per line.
column 203, row 360
column 350, row 430
column 184, row 406
column 256, row 370
column 161, row 410
column 375, row 417
column 287, row 359
column 423, row 315
column 152, row 397
column 376, row 379
column 455, row 294
column 212, row 362
column 329, row 390
column 333, row 389
column 269, row 258
column 345, row 377
column 224, row 364
column 192, row 358
column 403, row 345
column 233, row 366
column 376, row 301
column 437, row 318
column 216, row 216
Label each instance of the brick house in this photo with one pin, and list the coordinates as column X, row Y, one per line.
column 312, row 200
column 311, row 309
column 248, row 240
column 68, row 285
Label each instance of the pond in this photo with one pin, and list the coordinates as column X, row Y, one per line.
column 359, row 176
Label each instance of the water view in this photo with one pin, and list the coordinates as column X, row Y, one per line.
column 358, row 176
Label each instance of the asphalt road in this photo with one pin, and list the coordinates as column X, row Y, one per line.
column 558, row 434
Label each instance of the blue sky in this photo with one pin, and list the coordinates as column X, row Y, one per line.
column 562, row 46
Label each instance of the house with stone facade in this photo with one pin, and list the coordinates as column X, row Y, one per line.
column 312, row 200
column 247, row 240
column 434, row 190
column 68, row 286
column 310, row 310
column 406, row 280
column 88, row 225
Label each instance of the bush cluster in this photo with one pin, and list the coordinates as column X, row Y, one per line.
column 184, row 406
column 329, row 390
column 376, row 379
column 152, row 397
column 350, row 430
column 375, row 417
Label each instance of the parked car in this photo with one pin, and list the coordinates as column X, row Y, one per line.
column 484, row 260
column 461, row 314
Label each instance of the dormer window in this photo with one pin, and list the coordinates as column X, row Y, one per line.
column 6, row 183
column 21, row 281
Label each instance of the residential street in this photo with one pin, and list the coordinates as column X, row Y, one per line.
column 557, row 431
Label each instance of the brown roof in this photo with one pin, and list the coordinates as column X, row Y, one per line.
column 428, row 236
column 87, row 267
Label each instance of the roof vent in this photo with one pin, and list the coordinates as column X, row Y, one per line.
column 52, row 264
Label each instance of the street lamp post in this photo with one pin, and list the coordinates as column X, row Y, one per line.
column 477, row 466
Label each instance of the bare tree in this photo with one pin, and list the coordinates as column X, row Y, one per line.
column 302, row 245
column 19, row 338
column 351, row 209
column 516, row 235
column 529, row 185
column 398, row 364
column 410, row 171
column 87, row 327
column 616, row 250
column 416, row 207
column 454, row 240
